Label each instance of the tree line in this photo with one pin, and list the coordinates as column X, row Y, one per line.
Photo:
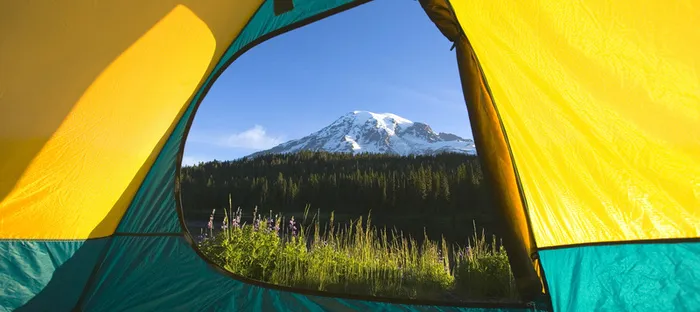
column 446, row 184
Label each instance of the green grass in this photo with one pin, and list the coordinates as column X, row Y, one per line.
column 359, row 258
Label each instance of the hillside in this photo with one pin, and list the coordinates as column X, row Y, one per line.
column 444, row 190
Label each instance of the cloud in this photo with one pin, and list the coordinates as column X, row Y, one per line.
column 255, row 138
column 191, row 160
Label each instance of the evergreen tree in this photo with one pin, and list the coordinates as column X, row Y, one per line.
column 443, row 184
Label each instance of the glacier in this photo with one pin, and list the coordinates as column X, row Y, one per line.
column 369, row 132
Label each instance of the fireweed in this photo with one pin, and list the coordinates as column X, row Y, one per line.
column 359, row 258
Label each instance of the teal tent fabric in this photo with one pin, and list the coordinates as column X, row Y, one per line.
column 153, row 209
column 624, row 277
column 150, row 263
column 45, row 275
column 178, row 279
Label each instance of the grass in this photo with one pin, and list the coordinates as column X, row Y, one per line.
column 359, row 258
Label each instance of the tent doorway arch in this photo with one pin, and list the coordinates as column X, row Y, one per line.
column 89, row 218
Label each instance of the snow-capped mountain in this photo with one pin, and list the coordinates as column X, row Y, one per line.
column 368, row 132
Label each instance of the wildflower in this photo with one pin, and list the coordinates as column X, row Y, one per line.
column 202, row 236
column 224, row 223
column 236, row 219
column 256, row 221
column 236, row 222
column 277, row 224
column 292, row 226
column 210, row 225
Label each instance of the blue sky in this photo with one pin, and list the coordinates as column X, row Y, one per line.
column 383, row 56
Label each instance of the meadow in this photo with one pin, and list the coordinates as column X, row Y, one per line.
column 357, row 257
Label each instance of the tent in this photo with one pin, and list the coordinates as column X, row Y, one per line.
column 586, row 115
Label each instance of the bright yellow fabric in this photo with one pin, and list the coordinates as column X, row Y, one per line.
column 89, row 94
column 601, row 104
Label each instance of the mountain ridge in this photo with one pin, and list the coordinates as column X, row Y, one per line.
column 368, row 132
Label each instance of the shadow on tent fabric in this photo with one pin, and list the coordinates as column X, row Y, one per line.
column 68, row 280
column 72, row 278
column 24, row 99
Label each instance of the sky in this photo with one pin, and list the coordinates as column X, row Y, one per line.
column 385, row 56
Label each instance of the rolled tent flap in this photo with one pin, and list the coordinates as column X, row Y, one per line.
column 494, row 153
column 600, row 101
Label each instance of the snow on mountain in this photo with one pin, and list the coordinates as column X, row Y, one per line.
column 368, row 132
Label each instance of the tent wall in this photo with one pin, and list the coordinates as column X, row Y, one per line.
column 161, row 273
column 88, row 100
column 96, row 99
column 494, row 153
column 624, row 277
column 89, row 92
column 46, row 275
column 600, row 101
column 89, row 207
column 152, row 249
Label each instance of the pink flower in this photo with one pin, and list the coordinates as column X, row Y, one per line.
column 210, row 225
column 292, row 225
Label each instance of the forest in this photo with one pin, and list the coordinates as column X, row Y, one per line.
column 440, row 194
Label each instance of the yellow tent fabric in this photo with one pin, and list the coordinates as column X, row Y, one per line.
column 601, row 103
column 78, row 141
column 591, row 112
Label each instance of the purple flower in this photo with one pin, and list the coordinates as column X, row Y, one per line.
column 276, row 224
column 292, row 225
column 236, row 219
column 202, row 236
column 210, row 225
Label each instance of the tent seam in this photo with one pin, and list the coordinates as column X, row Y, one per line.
column 307, row 292
column 680, row 240
column 100, row 262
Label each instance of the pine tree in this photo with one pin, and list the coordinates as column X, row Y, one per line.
column 388, row 184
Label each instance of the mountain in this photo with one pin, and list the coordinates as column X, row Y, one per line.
column 368, row 132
